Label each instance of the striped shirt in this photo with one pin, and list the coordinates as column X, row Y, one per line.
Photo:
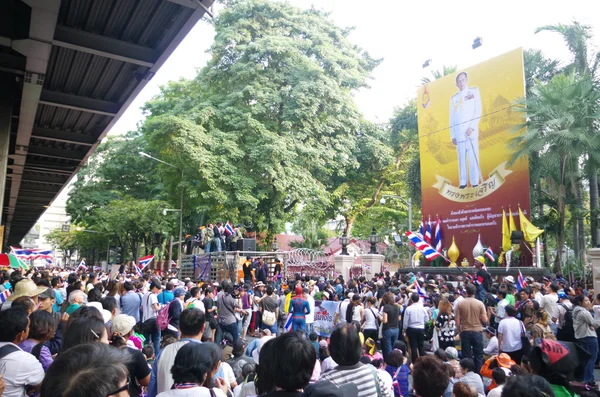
column 363, row 376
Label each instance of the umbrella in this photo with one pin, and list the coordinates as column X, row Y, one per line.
column 10, row 260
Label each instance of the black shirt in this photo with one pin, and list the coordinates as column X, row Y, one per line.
column 216, row 232
column 247, row 268
column 208, row 304
column 138, row 369
column 393, row 312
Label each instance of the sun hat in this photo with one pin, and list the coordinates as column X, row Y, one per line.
column 259, row 284
column 123, row 324
column 480, row 259
column 504, row 360
column 26, row 287
column 510, row 279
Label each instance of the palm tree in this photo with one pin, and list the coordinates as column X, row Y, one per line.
column 558, row 117
column 585, row 62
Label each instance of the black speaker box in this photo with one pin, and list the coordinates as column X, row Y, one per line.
column 247, row 244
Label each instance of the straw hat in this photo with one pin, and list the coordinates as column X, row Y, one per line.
column 26, row 287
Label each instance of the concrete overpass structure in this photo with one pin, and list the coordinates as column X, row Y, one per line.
column 68, row 70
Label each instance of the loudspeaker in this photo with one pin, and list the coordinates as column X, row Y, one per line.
column 247, row 244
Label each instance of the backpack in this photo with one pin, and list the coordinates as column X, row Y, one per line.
column 567, row 330
column 163, row 319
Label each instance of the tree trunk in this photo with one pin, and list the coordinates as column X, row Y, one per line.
column 575, row 234
column 348, row 227
column 593, row 177
column 546, row 254
column 560, row 232
column 580, row 223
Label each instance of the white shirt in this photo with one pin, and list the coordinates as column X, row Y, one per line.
column 501, row 310
column 342, row 310
column 415, row 316
column 496, row 392
column 192, row 392
column 549, row 305
column 245, row 390
column 511, row 329
column 310, row 317
column 21, row 369
column 539, row 298
column 148, row 311
column 460, row 297
column 164, row 378
column 492, row 347
column 370, row 321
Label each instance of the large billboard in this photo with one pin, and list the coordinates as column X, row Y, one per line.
column 465, row 122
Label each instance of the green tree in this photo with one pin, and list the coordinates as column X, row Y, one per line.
column 270, row 121
column 585, row 63
column 557, row 119
column 438, row 74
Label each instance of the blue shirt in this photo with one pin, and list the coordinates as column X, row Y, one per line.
column 130, row 305
column 165, row 297
column 299, row 307
column 58, row 302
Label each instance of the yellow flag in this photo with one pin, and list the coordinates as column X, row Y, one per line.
column 511, row 221
column 530, row 232
column 505, row 233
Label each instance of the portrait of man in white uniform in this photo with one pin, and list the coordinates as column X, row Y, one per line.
column 465, row 113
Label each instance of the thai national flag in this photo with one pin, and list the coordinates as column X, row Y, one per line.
column 229, row 228
column 145, row 261
column 367, row 266
column 422, row 246
column 82, row 266
column 138, row 270
column 490, row 254
column 521, row 283
column 4, row 296
column 428, row 232
column 422, row 229
column 34, row 253
column 438, row 235
column 419, row 289
column 288, row 323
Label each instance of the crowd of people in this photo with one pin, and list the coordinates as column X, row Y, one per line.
column 68, row 333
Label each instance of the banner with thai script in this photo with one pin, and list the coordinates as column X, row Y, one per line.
column 326, row 317
column 466, row 120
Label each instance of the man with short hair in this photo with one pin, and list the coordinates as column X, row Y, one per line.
column 346, row 350
column 167, row 295
column 150, row 309
column 227, row 307
column 415, row 317
column 22, row 371
column 191, row 327
column 61, row 294
column 549, row 304
column 470, row 320
column 131, row 301
column 430, row 377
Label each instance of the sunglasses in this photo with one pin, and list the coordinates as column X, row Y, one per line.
column 121, row 389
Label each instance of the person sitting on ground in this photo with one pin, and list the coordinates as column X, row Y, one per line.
column 22, row 371
column 399, row 371
column 91, row 370
column 492, row 347
column 451, row 382
column 452, row 355
column 527, row 386
column 463, row 390
column 430, row 377
column 499, row 377
column 239, row 360
column 192, row 367
column 469, row 377
column 346, row 350
column 246, row 387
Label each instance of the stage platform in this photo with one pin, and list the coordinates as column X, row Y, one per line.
column 534, row 272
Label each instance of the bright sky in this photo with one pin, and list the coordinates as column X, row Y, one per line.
column 405, row 34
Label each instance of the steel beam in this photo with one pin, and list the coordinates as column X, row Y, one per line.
column 53, row 153
column 185, row 3
column 50, row 134
column 103, row 46
column 77, row 102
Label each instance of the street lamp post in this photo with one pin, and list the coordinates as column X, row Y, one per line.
column 344, row 240
column 180, row 205
column 373, row 239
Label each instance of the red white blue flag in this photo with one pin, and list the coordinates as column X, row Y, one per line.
column 521, row 283
column 229, row 228
column 490, row 254
column 419, row 290
column 438, row 235
column 428, row 232
column 145, row 261
column 422, row 246
column 4, row 296
column 421, row 233
column 81, row 266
